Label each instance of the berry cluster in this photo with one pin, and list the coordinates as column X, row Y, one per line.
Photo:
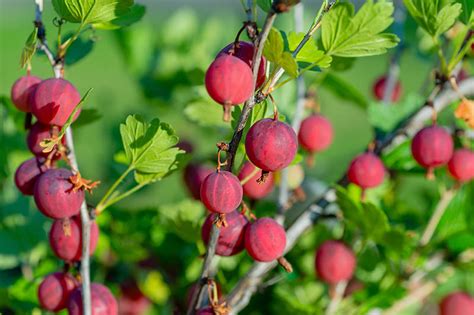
column 58, row 192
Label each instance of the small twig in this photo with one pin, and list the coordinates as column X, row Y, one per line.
column 441, row 207
column 337, row 298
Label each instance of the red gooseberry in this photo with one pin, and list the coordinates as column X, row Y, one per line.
column 265, row 240
column 461, row 165
column 221, row 192
column 380, row 86
column 27, row 174
column 254, row 188
column 54, row 291
column 102, row 301
column 334, row 262
column 22, row 90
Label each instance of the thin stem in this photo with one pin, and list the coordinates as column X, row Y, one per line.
column 101, row 205
column 121, row 196
column 337, row 298
column 441, row 207
column 442, row 59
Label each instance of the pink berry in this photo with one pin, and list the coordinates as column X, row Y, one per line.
column 229, row 81
column 194, row 175
column 334, row 262
column 65, row 238
column 265, row 240
column 379, row 89
column 221, row 192
column 461, row 165
column 27, row 174
column 21, row 91
column 37, row 133
column 457, row 303
column 244, row 51
column 102, row 301
column 366, row 170
column 231, row 236
column 432, row 147
column 54, row 291
column 315, row 133
column 252, row 188
column 54, row 194
column 132, row 301
column 54, row 101
column 271, row 145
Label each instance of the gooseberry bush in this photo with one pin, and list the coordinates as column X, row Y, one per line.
column 273, row 201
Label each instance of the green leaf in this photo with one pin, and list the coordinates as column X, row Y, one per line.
column 367, row 217
column 29, row 49
column 386, row 116
column 310, row 52
column 343, row 89
column 265, row 5
column 183, row 218
column 467, row 14
column 432, row 16
column 91, row 11
column 150, row 148
column 274, row 46
column 205, row 113
column 347, row 35
column 79, row 49
column 134, row 15
column 289, row 64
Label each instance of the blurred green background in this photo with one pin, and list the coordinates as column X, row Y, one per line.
column 155, row 68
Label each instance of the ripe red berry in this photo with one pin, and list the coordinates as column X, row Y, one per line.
column 252, row 188
column 461, row 165
column 22, row 90
column 65, row 238
column 54, row 291
column 334, row 262
column 221, row 192
column 432, row 147
column 244, row 51
column 37, row 133
column 102, row 301
column 194, row 175
column 315, row 133
column 229, row 81
column 231, row 236
column 366, row 170
column 27, row 174
column 457, row 303
column 54, row 101
column 379, row 89
column 132, row 301
column 54, row 194
column 265, row 240
column 271, row 144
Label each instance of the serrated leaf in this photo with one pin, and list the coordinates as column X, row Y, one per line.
column 446, row 17
column 343, row 89
column 29, row 49
column 376, row 221
column 91, row 11
column 347, row 35
column 432, row 16
column 274, row 46
column 205, row 113
column 149, row 148
column 134, row 15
